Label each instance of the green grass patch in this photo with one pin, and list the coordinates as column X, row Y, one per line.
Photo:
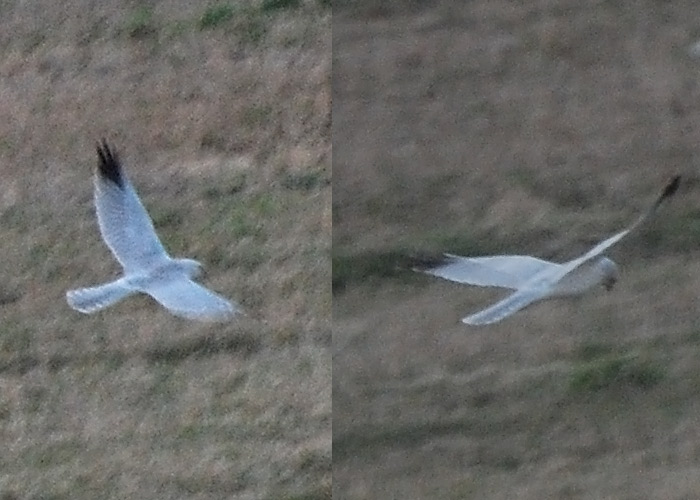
column 227, row 188
column 56, row 454
column 167, row 218
column 248, row 259
column 692, row 337
column 615, row 370
column 140, row 24
column 247, row 23
column 5, row 409
column 305, row 181
column 252, row 259
column 264, row 205
column 216, row 15
column 15, row 339
column 253, row 28
column 16, row 217
column 255, row 116
column 212, row 140
column 19, row 364
column 249, row 219
column 359, row 268
column 242, row 225
column 678, row 233
column 590, row 351
column 272, row 5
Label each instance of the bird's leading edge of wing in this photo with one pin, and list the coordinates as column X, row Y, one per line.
column 124, row 223
column 669, row 190
column 509, row 305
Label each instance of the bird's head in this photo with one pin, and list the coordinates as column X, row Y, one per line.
column 609, row 271
column 192, row 268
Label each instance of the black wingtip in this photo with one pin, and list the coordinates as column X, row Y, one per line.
column 108, row 165
column 671, row 187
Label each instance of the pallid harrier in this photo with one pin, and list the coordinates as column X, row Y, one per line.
column 535, row 279
column 129, row 234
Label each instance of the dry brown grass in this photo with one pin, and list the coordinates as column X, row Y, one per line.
column 225, row 131
column 535, row 127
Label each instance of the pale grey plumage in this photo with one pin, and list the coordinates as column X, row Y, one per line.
column 535, row 279
column 128, row 231
column 124, row 223
column 505, row 271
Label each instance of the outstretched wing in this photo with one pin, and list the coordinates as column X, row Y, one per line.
column 125, row 226
column 188, row 299
column 601, row 247
column 507, row 271
column 504, row 308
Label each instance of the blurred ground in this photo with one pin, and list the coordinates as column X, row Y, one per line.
column 528, row 127
column 221, row 115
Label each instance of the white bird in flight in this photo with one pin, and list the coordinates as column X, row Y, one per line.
column 128, row 231
column 536, row 279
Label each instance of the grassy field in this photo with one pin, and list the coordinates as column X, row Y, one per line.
column 221, row 113
column 514, row 127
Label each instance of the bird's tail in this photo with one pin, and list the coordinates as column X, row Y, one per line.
column 89, row 300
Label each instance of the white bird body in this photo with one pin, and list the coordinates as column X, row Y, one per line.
column 129, row 233
column 535, row 279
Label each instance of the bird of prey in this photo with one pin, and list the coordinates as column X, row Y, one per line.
column 535, row 279
column 128, row 232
